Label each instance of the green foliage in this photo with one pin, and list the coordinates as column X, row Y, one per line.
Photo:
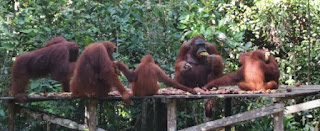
column 159, row 28
column 283, row 27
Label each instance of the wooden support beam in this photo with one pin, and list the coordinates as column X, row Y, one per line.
column 48, row 126
column 160, row 111
column 231, row 120
column 11, row 115
column 228, row 111
column 278, row 119
column 91, row 117
column 54, row 119
column 172, row 115
column 144, row 115
column 303, row 106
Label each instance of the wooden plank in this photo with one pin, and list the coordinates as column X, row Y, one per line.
column 118, row 98
column 304, row 86
column 91, row 117
column 281, row 93
column 54, row 119
column 303, row 106
column 172, row 115
column 231, row 120
column 11, row 115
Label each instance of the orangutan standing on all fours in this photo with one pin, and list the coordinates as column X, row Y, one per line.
column 56, row 59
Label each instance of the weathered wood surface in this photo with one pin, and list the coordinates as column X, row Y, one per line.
column 172, row 115
column 228, row 111
column 231, row 120
column 282, row 92
column 278, row 119
column 302, row 106
column 144, row 112
column 91, row 115
column 54, row 119
column 11, row 116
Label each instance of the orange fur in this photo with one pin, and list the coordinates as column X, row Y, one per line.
column 55, row 40
column 203, row 69
column 145, row 77
column 255, row 73
column 56, row 59
column 95, row 74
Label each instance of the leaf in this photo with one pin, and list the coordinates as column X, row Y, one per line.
column 157, row 12
column 20, row 21
column 47, row 29
column 7, row 46
column 34, row 84
column 2, row 112
column 35, row 30
column 205, row 15
column 181, row 26
column 230, row 43
column 247, row 46
column 136, row 16
column 95, row 30
column 115, row 55
column 26, row 31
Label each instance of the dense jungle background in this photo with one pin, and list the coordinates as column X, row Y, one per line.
column 290, row 29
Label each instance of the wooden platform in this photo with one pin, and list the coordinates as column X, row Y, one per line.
column 277, row 109
column 282, row 92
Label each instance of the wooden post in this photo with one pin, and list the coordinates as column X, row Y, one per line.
column 48, row 126
column 144, row 115
column 91, row 119
column 11, row 115
column 228, row 111
column 161, row 110
column 172, row 115
column 278, row 119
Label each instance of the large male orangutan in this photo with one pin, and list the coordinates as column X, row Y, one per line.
column 57, row 58
column 197, row 63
